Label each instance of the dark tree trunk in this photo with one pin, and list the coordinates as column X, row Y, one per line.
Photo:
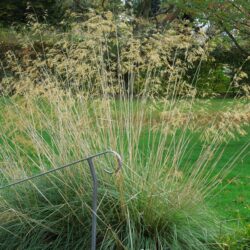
column 155, row 7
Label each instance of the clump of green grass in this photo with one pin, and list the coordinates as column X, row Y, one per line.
column 158, row 201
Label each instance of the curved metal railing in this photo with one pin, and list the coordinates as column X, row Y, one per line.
column 94, row 179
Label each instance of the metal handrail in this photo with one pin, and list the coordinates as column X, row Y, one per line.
column 94, row 179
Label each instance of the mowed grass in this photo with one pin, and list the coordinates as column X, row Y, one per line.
column 232, row 199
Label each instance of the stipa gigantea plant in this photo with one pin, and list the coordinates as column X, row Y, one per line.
column 159, row 199
column 157, row 202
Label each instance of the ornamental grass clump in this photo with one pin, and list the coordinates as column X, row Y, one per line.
column 106, row 90
column 157, row 201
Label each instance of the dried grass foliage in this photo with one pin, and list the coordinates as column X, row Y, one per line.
column 103, row 54
column 224, row 125
column 155, row 195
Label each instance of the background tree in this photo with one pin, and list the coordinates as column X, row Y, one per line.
column 230, row 18
column 16, row 10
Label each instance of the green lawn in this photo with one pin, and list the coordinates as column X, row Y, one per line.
column 233, row 201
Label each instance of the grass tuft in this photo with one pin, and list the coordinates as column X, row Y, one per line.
column 158, row 201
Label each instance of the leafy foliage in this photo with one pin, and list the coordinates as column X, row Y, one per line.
column 230, row 17
column 16, row 10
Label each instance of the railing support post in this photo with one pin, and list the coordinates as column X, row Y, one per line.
column 94, row 203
